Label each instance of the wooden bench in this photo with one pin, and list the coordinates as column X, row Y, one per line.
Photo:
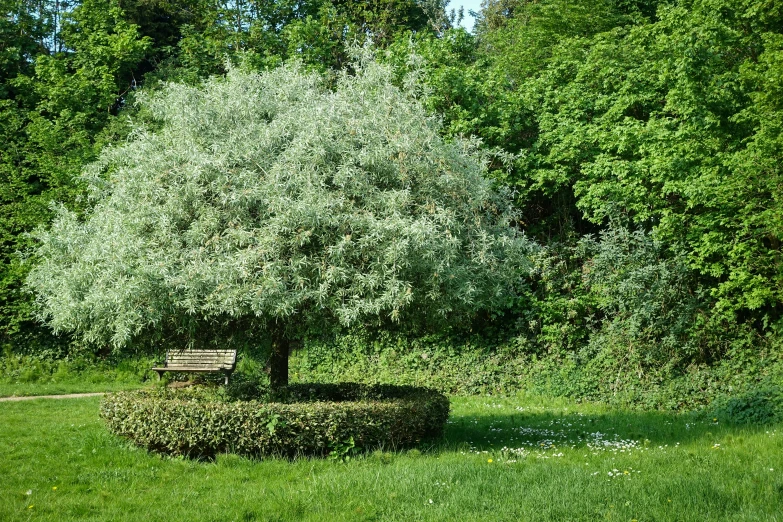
column 199, row 361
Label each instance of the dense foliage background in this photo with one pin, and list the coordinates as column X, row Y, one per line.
column 643, row 140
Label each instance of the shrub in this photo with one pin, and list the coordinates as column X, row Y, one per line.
column 76, row 368
column 646, row 297
column 480, row 363
column 760, row 406
column 304, row 419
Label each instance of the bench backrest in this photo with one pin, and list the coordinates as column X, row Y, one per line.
column 206, row 359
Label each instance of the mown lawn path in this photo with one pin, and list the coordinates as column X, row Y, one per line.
column 66, row 396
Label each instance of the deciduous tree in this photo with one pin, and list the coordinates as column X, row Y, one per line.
column 269, row 203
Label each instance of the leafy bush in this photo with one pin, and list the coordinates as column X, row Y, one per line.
column 480, row 362
column 452, row 363
column 17, row 369
column 645, row 296
column 760, row 406
column 201, row 423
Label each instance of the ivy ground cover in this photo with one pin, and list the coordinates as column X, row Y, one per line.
column 517, row 458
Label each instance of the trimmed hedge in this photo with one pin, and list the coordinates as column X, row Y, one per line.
column 305, row 419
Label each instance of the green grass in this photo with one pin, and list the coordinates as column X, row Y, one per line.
column 668, row 467
column 59, row 388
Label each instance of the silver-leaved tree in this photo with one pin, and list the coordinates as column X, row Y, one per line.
column 271, row 204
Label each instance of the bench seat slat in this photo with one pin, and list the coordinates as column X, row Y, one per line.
column 206, row 354
column 189, row 369
column 197, row 363
column 203, row 361
column 197, row 358
column 200, row 358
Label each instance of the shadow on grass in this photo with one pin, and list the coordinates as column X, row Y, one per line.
column 548, row 430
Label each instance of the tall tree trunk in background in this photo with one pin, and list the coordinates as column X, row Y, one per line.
column 278, row 362
column 239, row 26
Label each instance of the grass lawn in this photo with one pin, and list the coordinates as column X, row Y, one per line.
column 60, row 388
column 26, row 376
column 561, row 461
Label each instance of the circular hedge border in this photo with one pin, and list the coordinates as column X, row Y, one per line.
column 303, row 419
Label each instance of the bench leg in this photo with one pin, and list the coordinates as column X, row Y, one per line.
column 160, row 375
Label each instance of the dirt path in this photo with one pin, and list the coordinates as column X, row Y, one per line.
column 66, row 396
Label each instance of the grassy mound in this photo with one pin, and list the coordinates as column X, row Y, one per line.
column 303, row 419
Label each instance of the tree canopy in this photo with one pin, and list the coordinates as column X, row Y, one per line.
column 271, row 198
column 68, row 68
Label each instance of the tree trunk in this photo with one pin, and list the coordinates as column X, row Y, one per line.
column 278, row 363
